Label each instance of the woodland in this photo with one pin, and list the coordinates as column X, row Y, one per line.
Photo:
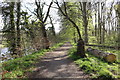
column 29, row 30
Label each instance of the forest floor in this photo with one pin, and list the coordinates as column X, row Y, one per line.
column 57, row 64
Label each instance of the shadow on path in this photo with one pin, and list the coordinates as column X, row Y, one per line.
column 57, row 64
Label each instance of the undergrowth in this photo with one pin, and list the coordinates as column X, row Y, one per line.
column 17, row 68
column 96, row 67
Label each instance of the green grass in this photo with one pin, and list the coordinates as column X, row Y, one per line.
column 17, row 68
column 96, row 67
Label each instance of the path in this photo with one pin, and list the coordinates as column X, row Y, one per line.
column 57, row 64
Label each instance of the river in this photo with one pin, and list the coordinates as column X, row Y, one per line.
column 4, row 54
column 3, row 50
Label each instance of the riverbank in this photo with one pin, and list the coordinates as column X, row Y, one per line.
column 17, row 68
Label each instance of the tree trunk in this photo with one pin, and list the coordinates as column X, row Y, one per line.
column 12, row 30
column 53, row 29
column 45, row 39
column 81, row 48
column 80, row 44
column 74, row 34
column 118, row 23
column 95, row 24
column 18, row 29
column 99, row 23
column 109, row 57
column 85, row 21
column 103, row 35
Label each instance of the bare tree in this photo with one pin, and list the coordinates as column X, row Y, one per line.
column 52, row 28
column 43, row 18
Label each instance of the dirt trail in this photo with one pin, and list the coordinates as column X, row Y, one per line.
column 57, row 64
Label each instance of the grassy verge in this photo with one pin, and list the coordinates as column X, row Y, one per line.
column 17, row 68
column 96, row 67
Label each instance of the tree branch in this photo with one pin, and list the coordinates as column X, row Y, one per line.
column 48, row 12
column 31, row 11
column 74, row 24
column 51, row 6
column 65, row 8
column 80, row 6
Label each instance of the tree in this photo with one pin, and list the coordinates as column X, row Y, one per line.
column 80, row 44
column 52, row 28
column 12, row 29
column 103, row 22
column 117, row 8
column 40, row 15
column 83, row 9
column 18, row 41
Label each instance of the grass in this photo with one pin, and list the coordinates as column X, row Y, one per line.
column 96, row 67
column 17, row 68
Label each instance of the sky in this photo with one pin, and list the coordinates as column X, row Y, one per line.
column 1, row 22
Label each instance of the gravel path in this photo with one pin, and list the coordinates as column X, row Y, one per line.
column 57, row 64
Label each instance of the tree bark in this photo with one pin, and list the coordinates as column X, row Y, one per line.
column 99, row 23
column 85, row 21
column 12, row 30
column 118, row 23
column 18, row 29
column 45, row 39
column 53, row 29
column 95, row 24
column 109, row 57
column 74, row 34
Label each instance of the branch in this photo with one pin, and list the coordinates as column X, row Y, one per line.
column 65, row 7
column 60, row 8
column 51, row 21
column 48, row 12
column 80, row 6
column 31, row 11
column 51, row 6
column 74, row 24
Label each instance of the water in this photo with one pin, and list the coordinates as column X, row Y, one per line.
column 3, row 53
column 4, row 50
